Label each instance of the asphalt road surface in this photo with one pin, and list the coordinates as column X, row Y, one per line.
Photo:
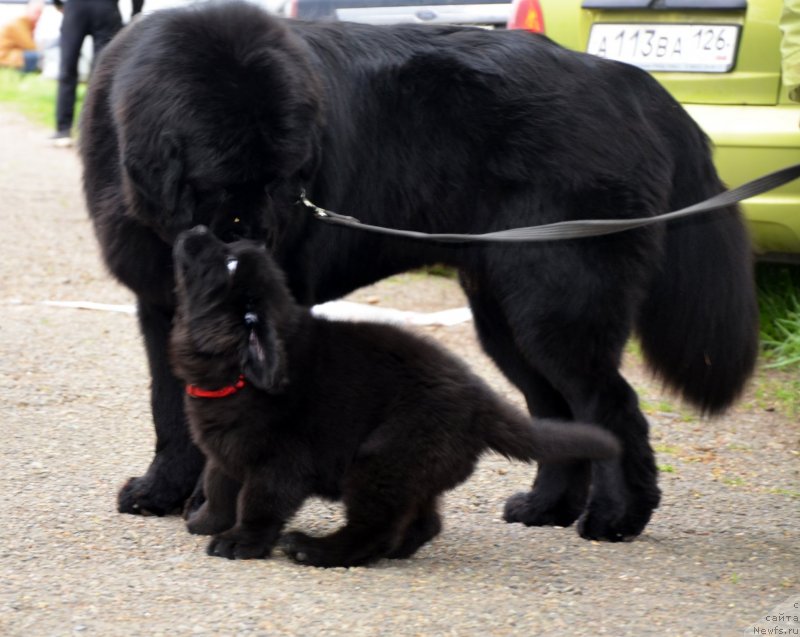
column 720, row 556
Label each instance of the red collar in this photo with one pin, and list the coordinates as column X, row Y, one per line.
column 196, row 392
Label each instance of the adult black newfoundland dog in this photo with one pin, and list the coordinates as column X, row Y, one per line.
column 285, row 405
column 220, row 115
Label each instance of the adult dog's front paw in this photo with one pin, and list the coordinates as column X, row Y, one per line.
column 141, row 496
column 163, row 490
column 240, row 545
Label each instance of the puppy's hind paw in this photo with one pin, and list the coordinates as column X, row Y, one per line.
column 293, row 545
column 306, row 550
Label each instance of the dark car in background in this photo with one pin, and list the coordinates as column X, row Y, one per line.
column 483, row 13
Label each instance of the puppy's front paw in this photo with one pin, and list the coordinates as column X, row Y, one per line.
column 240, row 545
column 202, row 522
column 194, row 503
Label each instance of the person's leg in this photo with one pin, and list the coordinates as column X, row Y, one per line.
column 30, row 61
column 73, row 31
column 105, row 23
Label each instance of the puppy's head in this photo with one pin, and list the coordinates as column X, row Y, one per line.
column 232, row 308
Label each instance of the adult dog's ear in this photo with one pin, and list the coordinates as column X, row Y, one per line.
column 263, row 359
column 156, row 170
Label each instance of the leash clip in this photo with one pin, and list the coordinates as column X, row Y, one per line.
column 321, row 213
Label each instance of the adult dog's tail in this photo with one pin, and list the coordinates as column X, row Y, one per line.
column 515, row 435
column 699, row 323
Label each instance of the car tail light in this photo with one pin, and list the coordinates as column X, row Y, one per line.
column 526, row 14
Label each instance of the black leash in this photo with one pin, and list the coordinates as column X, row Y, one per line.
column 571, row 229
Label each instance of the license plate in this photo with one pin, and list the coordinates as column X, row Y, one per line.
column 694, row 48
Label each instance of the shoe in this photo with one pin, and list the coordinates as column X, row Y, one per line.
column 61, row 139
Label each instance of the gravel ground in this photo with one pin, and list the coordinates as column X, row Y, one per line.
column 719, row 555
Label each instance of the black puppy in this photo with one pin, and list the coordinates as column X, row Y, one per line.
column 285, row 405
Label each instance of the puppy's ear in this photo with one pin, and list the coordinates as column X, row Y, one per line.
column 263, row 357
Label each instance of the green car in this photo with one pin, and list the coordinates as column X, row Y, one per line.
column 721, row 59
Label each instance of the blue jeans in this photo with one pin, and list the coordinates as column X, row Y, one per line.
column 31, row 61
column 99, row 19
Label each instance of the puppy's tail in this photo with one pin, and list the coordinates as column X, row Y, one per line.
column 516, row 436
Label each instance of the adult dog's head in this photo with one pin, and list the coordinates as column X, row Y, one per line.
column 233, row 307
column 215, row 109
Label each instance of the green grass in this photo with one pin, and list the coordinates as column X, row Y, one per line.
column 33, row 96
column 779, row 304
column 787, row 492
column 777, row 390
column 444, row 271
column 665, row 449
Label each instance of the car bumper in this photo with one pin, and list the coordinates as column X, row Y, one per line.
column 750, row 141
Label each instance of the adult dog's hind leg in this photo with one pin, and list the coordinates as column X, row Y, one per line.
column 177, row 464
column 569, row 326
column 624, row 491
column 559, row 491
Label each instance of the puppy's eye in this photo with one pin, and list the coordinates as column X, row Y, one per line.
column 232, row 264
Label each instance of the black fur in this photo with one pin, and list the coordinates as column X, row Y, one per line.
column 365, row 413
column 219, row 115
